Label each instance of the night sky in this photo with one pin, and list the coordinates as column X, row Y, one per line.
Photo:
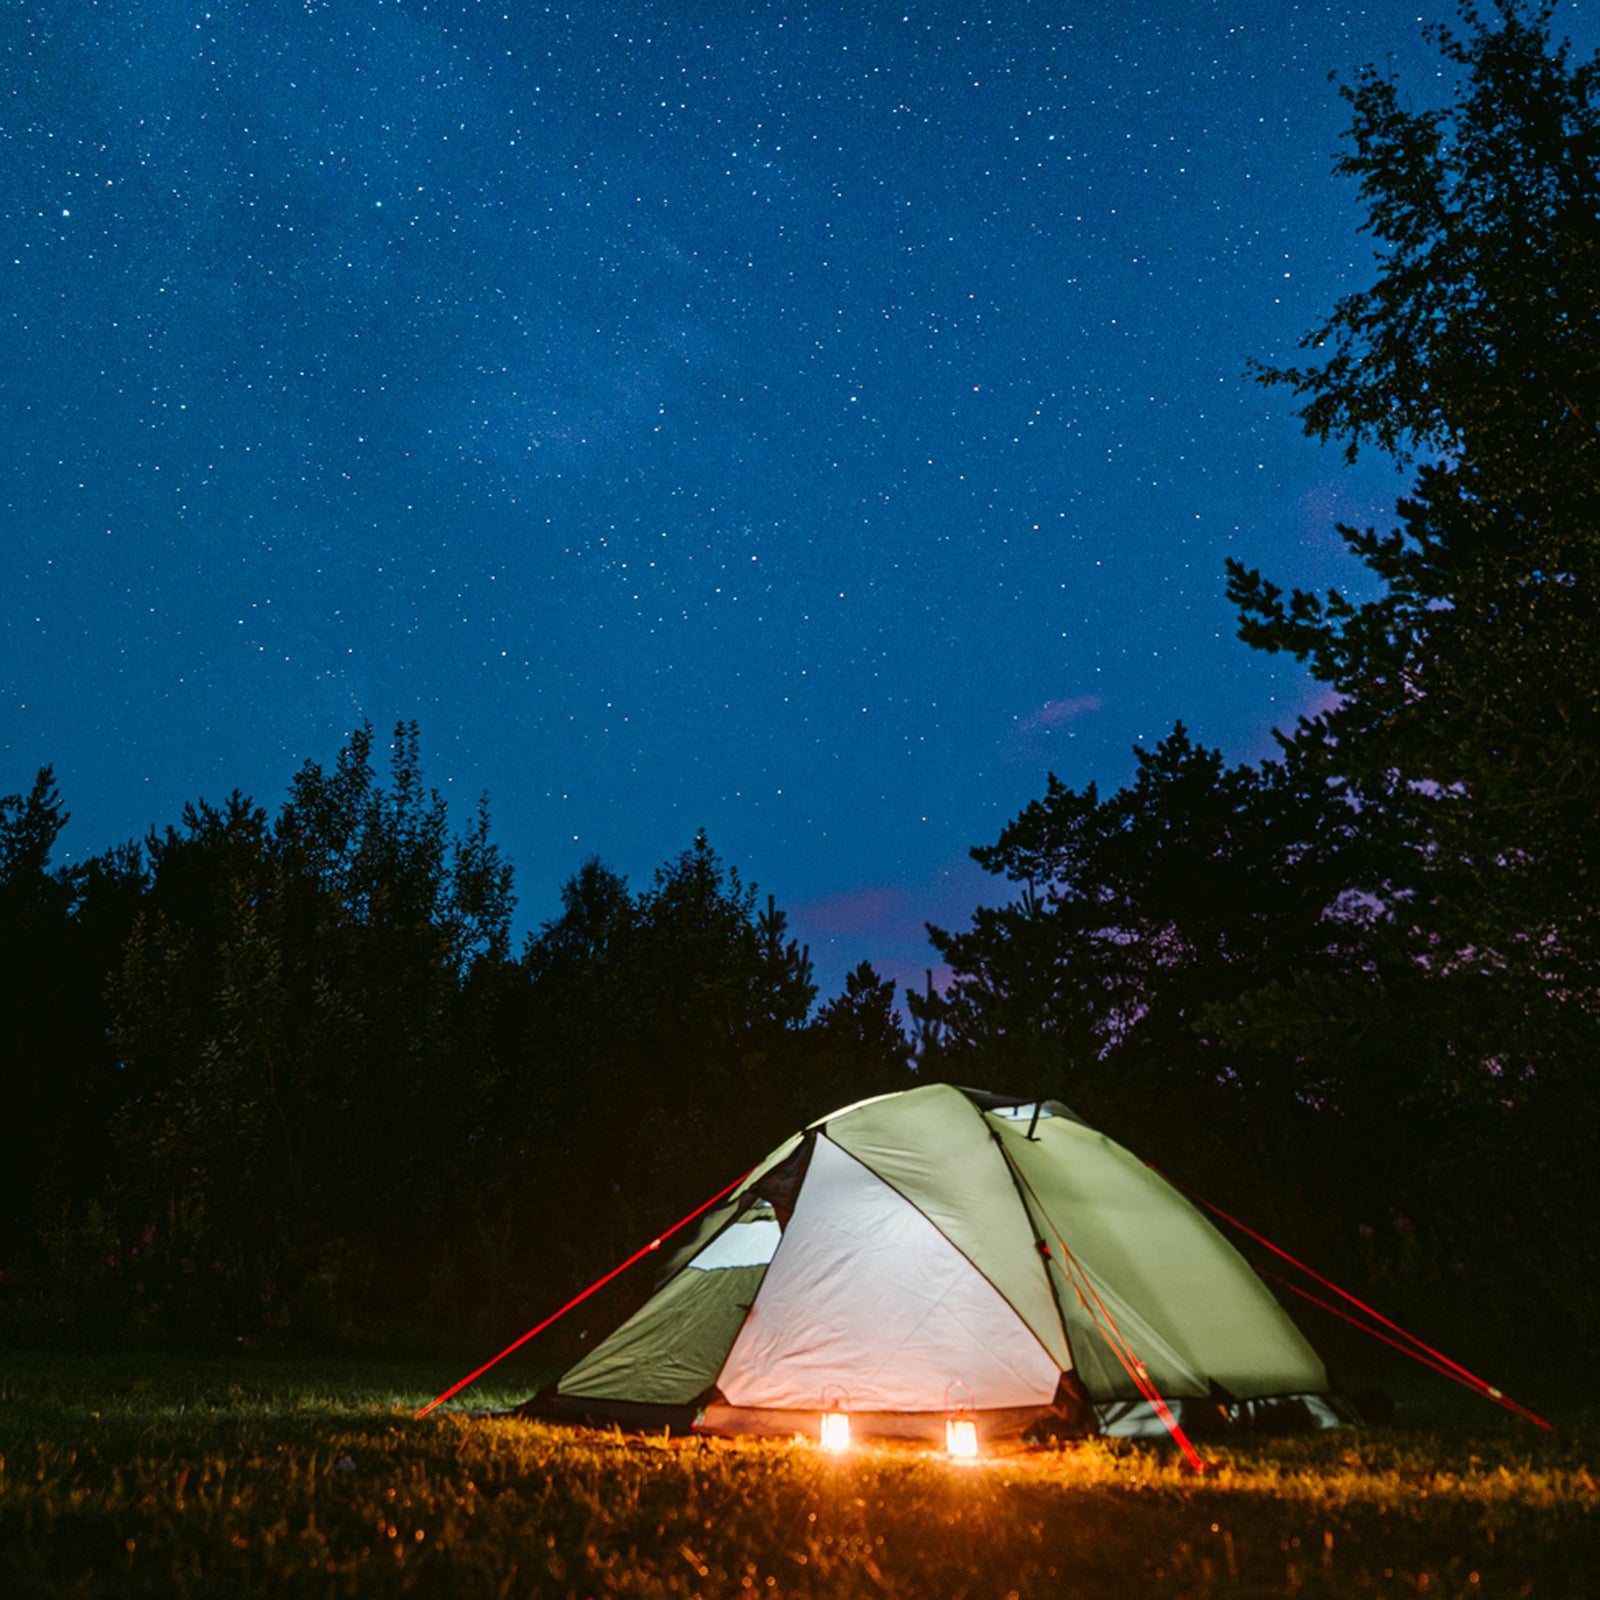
column 809, row 423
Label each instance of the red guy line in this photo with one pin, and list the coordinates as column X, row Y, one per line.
column 578, row 1299
column 1132, row 1365
column 1073, row 1270
column 1438, row 1366
column 1470, row 1379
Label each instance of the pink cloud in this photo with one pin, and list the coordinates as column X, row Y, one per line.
column 889, row 913
column 1054, row 712
column 872, row 909
column 1310, row 701
column 913, row 975
column 1322, row 697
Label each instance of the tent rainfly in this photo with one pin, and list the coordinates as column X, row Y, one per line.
column 943, row 1251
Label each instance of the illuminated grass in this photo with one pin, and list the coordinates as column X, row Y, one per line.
column 142, row 1477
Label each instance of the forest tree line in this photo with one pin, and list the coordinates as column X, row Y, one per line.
column 287, row 1074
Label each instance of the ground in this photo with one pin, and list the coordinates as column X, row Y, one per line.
column 146, row 1475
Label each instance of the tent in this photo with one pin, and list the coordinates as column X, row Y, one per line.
column 942, row 1251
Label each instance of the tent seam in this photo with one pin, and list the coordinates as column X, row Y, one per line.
column 1041, row 1246
column 812, row 1134
column 1054, row 1299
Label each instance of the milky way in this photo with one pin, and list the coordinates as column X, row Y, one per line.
column 810, row 424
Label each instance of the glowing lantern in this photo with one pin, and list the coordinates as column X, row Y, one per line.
column 960, row 1426
column 835, row 1428
column 961, row 1436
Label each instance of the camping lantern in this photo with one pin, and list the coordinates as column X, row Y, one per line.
column 834, row 1432
column 960, row 1426
column 835, row 1429
column 961, row 1436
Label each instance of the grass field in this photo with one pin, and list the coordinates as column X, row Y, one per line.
column 159, row 1476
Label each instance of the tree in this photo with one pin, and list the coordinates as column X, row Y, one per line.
column 35, row 906
column 1477, row 343
column 1466, row 735
column 60, row 931
column 1410, row 960
column 678, row 1016
column 308, row 1007
column 1136, row 911
column 1467, row 729
column 856, row 1047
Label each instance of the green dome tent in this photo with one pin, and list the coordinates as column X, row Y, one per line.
column 939, row 1251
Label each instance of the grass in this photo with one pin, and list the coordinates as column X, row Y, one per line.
column 158, row 1476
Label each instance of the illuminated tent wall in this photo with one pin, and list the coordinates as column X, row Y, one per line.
column 924, row 1252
